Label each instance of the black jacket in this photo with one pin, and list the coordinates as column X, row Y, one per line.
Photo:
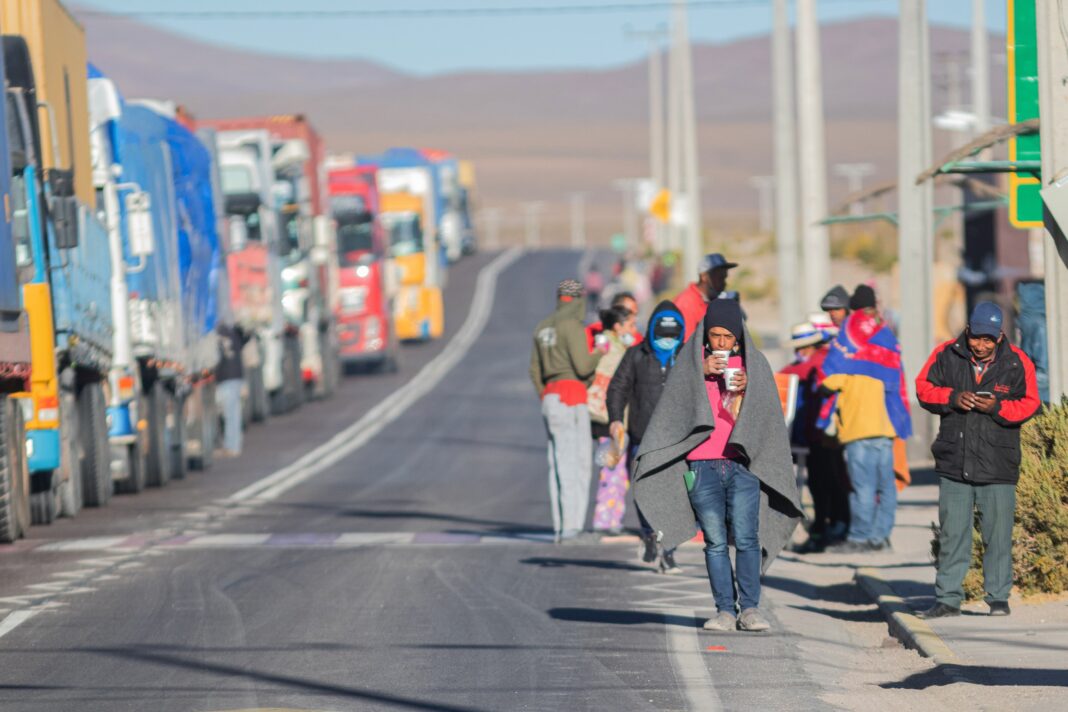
column 232, row 340
column 971, row 446
column 637, row 384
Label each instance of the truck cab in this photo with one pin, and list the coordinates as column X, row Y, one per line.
column 366, row 282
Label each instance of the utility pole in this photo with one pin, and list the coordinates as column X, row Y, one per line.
column 790, row 298
column 657, row 167
column 915, row 218
column 627, row 188
column 854, row 173
column 532, row 213
column 674, row 155
column 815, row 248
column 1053, row 110
column 693, row 242
column 765, row 187
column 578, row 221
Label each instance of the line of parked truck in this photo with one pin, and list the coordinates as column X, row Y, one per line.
column 131, row 229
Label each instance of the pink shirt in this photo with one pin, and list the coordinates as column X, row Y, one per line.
column 716, row 447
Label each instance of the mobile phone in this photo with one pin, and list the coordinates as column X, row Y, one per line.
column 984, row 394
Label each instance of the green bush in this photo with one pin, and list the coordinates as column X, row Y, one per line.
column 1040, row 535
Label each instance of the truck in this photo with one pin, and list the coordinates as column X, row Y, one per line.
column 467, row 202
column 256, row 257
column 149, row 173
column 409, row 202
column 449, row 202
column 310, row 265
column 65, row 290
column 366, row 276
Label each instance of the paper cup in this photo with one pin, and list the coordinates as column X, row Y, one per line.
column 728, row 377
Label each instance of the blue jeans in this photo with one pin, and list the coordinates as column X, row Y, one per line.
column 873, row 502
column 726, row 493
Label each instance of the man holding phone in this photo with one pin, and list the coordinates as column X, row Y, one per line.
column 984, row 389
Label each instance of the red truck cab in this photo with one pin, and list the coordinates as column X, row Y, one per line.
column 364, row 318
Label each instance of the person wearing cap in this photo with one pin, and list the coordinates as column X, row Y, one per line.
column 716, row 449
column 983, row 389
column 561, row 368
column 632, row 397
column 824, row 483
column 711, row 282
column 836, row 304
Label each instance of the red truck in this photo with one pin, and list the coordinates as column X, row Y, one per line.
column 365, row 296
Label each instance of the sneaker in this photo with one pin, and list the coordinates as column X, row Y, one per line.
column 812, row 545
column 753, row 621
column 647, row 549
column 999, row 608
column 938, row 610
column 668, row 565
column 883, row 545
column 721, row 621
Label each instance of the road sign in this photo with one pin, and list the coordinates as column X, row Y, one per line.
column 661, row 206
column 1025, row 203
column 619, row 243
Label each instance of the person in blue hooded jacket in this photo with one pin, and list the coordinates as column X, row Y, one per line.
column 634, row 392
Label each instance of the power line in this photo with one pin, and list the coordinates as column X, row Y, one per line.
column 424, row 12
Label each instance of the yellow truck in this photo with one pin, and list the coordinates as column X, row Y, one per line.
column 418, row 309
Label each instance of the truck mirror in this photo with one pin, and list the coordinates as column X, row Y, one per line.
column 139, row 224
column 65, row 222
column 238, row 231
column 242, row 203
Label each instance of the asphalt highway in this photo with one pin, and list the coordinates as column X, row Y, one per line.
column 405, row 570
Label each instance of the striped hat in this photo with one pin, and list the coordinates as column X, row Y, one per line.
column 823, row 322
column 805, row 334
column 569, row 288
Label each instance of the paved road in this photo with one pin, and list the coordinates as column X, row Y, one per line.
column 410, row 573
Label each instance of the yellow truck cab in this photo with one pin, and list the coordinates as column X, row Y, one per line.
column 418, row 310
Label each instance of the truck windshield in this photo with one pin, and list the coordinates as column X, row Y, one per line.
column 405, row 234
column 354, row 238
column 236, row 179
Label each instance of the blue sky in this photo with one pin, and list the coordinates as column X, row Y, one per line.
column 434, row 45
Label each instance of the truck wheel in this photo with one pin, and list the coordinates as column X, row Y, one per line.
column 158, row 460
column 257, row 395
column 14, row 475
column 178, row 452
column 136, row 465
column 205, row 427
column 96, row 450
column 70, row 486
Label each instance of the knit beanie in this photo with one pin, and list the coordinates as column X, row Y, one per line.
column 727, row 314
column 837, row 298
column 569, row 288
column 863, row 298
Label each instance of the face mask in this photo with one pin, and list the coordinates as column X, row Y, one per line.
column 627, row 339
column 666, row 343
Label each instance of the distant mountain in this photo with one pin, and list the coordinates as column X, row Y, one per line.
column 541, row 134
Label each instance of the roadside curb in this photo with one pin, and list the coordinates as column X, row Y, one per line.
column 906, row 627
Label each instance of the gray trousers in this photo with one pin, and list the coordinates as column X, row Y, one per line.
column 957, row 502
column 570, row 458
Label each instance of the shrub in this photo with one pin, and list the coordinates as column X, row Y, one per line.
column 1040, row 535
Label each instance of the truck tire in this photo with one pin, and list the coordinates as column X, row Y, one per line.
column 205, row 425
column 70, row 486
column 178, row 452
column 158, row 457
column 257, row 396
column 14, row 475
column 135, row 470
column 96, row 450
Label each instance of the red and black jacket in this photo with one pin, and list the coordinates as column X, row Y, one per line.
column 974, row 447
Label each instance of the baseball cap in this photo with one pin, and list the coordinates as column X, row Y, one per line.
column 986, row 320
column 714, row 260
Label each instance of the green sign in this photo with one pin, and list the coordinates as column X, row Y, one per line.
column 1025, row 203
column 619, row 243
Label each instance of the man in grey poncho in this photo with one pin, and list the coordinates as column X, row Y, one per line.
column 717, row 450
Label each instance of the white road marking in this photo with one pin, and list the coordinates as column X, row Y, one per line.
column 393, row 406
column 688, row 660
column 14, row 620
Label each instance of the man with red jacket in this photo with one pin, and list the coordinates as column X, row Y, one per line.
column 984, row 389
column 711, row 282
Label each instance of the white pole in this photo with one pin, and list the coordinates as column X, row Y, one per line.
column 915, row 219
column 694, row 245
column 790, row 298
column 533, row 225
column 980, row 68
column 765, row 187
column 1053, row 109
column 815, row 249
column 854, row 173
column 674, row 138
column 578, row 221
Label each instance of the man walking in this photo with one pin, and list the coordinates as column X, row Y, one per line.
column 711, row 282
column 983, row 389
column 229, row 376
column 836, row 304
column 863, row 370
column 561, row 367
